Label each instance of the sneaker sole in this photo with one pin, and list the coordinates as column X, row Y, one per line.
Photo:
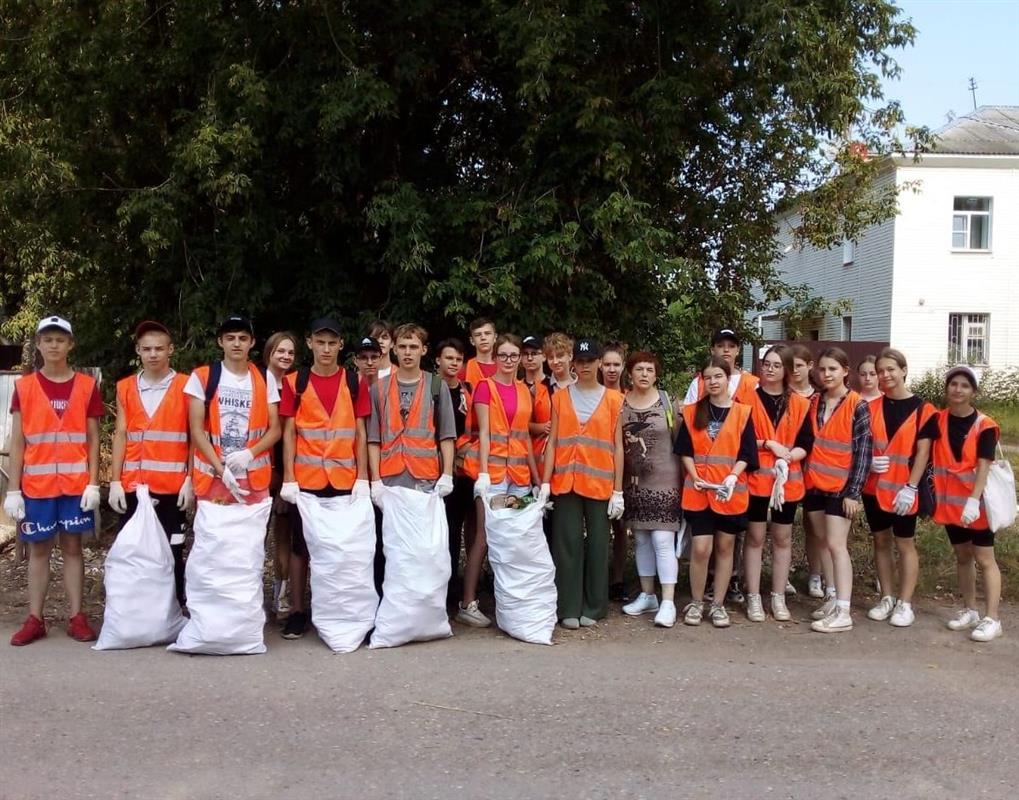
column 292, row 636
column 692, row 623
column 901, row 624
column 762, row 618
column 720, row 624
column 842, row 629
column 640, row 613
column 470, row 623
column 784, row 618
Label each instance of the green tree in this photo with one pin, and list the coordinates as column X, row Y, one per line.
column 604, row 168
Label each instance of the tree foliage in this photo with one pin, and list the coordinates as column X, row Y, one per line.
column 601, row 167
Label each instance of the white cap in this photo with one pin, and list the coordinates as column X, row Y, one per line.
column 54, row 322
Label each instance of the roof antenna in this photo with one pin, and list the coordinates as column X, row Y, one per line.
column 973, row 89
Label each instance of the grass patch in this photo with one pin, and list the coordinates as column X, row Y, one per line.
column 1007, row 417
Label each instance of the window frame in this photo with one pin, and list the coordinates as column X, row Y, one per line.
column 848, row 252
column 968, row 217
column 959, row 352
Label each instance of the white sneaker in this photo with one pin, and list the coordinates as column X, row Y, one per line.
column 825, row 609
column 790, row 589
column 987, row 630
column 281, row 597
column 643, row 604
column 965, row 619
column 814, row 587
column 755, row 608
column 693, row 613
column 882, row 610
column 838, row 622
column 719, row 617
column 902, row 616
column 778, row 608
column 471, row 615
column 666, row 616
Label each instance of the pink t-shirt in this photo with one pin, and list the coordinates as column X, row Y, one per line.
column 507, row 393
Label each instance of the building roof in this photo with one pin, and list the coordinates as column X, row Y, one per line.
column 989, row 130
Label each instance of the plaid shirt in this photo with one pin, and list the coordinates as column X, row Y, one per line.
column 863, row 446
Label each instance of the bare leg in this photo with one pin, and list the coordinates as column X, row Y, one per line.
column 781, row 556
column 909, row 568
column 884, row 563
column 700, row 553
column 475, row 555
column 814, row 546
column 74, row 571
column 817, row 522
column 39, row 575
column 725, row 544
column 992, row 578
column 837, row 536
column 965, row 568
column 753, row 551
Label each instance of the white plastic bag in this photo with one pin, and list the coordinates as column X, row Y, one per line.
column 141, row 598
column 224, row 580
column 525, row 593
column 999, row 494
column 340, row 534
column 415, row 540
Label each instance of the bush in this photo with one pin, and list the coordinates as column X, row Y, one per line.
column 931, row 386
column 998, row 386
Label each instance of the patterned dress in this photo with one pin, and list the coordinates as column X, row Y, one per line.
column 651, row 471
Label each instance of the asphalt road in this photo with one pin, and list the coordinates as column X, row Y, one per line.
column 620, row 711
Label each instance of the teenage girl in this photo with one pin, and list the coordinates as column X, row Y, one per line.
column 866, row 373
column 718, row 445
column 903, row 427
column 836, row 472
column 279, row 354
column 781, row 421
column 613, row 358
column 963, row 453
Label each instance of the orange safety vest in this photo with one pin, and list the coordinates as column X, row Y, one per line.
column 409, row 447
column 325, row 442
column 762, row 481
column 900, row 450
column 157, row 447
column 715, row 460
column 744, row 389
column 55, row 462
column 463, row 441
column 954, row 480
column 260, row 470
column 507, row 451
column 541, row 411
column 831, row 458
column 473, row 374
column 585, row 454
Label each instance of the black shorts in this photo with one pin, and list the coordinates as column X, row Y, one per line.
column 759, row 509
column 979, row 537
column 880, row 520
column 298, row 546
column 828, row 503
column 173, row 519
column 707, row 522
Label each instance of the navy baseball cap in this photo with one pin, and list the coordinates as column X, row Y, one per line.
column 326, row 324
column 587, row 350
column 532, row 342
column 235, row 323
column 366, row 344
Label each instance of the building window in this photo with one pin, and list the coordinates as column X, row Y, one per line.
column 848, row 252
column 847, row 329
column 967, row 338
column 971, row 223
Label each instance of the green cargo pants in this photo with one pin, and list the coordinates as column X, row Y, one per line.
column 581, row 566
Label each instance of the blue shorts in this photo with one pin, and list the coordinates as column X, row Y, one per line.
column 45, row 517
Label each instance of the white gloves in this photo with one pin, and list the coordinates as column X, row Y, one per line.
column 781, row 470
column 238, row 462
column 230, row 482
column 185, row 497
column 444, row 485
column 14, row 506
column 778, row 488
column 289, row 491
column 482, row 484
column 880, row 464
column 360, row 490
column 616, row 505
column 904, row 500
column 728, row 487
column 118, row 501
column 544, row 492
column 971, row 512
column 377, row 488
column 90, row 498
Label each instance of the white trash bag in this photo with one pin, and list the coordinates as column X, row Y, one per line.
column 224, row 580
column 999, row 494
column 141, row 598
column 340, row 534
column 415, row 540
column 525, row 593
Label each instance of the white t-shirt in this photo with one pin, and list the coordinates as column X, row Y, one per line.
column 152, row 394
column 693, row 393
column 585, row 401
column 384, row 373
column 234, row 399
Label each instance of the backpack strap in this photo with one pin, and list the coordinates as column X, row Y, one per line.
column 353, row 384
column 212, row 384
column 436, row 388
column 669, row 420
column 301, row 385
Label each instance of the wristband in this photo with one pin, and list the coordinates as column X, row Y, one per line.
column 912, row 486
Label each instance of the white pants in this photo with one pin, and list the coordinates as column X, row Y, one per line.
column 656, row 553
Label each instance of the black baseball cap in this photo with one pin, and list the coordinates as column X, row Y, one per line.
column 326, row 324
column 148, row 326
column 725, row 333
column 532, row 342
column 367, row 343
column 587, row 350
column 234, row 323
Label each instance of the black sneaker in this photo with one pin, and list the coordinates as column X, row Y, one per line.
column 735, row 593
column 296, row 625
column 617, row 592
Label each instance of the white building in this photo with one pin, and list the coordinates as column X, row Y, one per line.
column 940, row 281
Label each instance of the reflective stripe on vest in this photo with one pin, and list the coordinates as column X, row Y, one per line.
column 954, row 479
column 714, row 461
column 899, row 451
column 831, row 458
column 762, row 481
column 585, row 454
column 325, row 441
column 407, row 446
column 507, row 439
column 156, row 453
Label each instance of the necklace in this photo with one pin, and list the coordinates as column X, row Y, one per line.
column 711, row 412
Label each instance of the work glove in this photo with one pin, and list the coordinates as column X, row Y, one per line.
column 904, row 498
column 289, row 491
column 728, row 487
column 14, row 506
column 230, row 482
column 378, row 488
column 238, row 462
column 879, row 465
column 444, row 485
column 482, row 484
column 117, row 499
column 186, row 495
column 544, row 492
column 971, row 511
column 360, row 490
column 90, row 498
column 616, row 505
column 778, row 488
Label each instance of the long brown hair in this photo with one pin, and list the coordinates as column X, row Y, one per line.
column 785, row 354
column 274, row 341
column 839, row 355
column 700, row 417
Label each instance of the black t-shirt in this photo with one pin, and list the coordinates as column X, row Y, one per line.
column 958, row 430
column 683, row 445
column 459, row 398
column 772, row 404
column 895, row 412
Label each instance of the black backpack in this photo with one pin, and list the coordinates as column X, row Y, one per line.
column 303, row 377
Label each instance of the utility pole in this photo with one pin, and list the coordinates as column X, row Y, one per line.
column 973, row 90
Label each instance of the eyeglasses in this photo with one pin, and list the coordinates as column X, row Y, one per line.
column 508, row 357
column 770, row 367
column 367, row 359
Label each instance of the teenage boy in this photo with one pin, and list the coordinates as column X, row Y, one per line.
column 726, row 344
column 558, row 349
column 370, row 360
column 325, row 450
column 54, row 474
column 412, row 431
column 233, row 420
column 482, row 339
column 151, row 441
column 533, row 361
